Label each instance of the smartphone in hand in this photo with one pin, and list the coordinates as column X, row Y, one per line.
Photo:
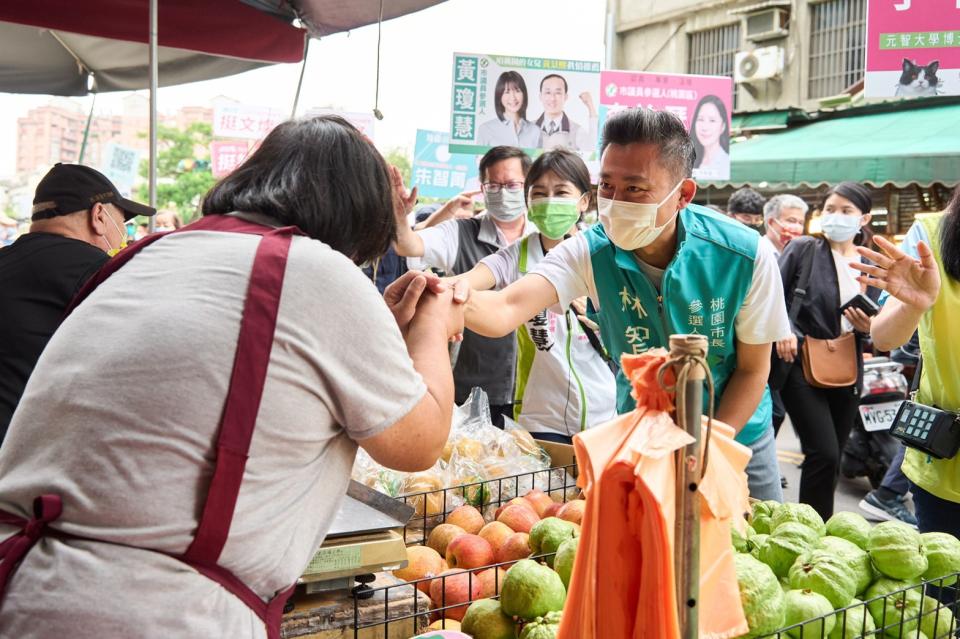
column 863, row 303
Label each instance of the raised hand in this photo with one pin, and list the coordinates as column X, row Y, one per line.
column 916, row 283
column 403, row 200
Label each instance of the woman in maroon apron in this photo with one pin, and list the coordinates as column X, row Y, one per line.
column 188, row 434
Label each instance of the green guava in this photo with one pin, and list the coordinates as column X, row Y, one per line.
column 825, row 573
column 785, row 544
column 800, row 513
column 485, row 620
column 857, row 559
column 545, row 627
column 810, row 609
column 897, row 551
column 739, row 541
column 849, row 526
column 895, row 606
column 937, row 621
column 760, row 595
column 547, row 535
column 943, row 557
column 531, row 590
column 566, row 556
column 760, row 518
column 756, row 543
column 854, row 622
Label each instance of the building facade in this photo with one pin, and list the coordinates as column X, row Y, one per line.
column 783, row 53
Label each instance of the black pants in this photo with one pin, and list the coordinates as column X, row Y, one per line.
column 779, row 412
column 497, row 413
column 822, row 418
column 937, row 515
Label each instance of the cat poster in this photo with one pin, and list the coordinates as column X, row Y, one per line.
column 913, row 48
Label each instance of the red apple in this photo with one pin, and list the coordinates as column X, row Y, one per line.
column 516, row 547
column 422, row 562
column 454, row 591
column 442, row 535
column 516, row 501
column 519, row 518
column 495, row 533
column 539, row 500
column 467, row 517
column 552, row 510
column 469, row 551
column 491, row 581
column 572, row 511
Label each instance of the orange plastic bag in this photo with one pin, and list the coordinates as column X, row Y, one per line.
column 623, row 582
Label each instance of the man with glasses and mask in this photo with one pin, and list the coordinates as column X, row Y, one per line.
column 456, row 246
column 658, row 264
column 79, row 221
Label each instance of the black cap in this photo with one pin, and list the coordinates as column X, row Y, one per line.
column 67, row 188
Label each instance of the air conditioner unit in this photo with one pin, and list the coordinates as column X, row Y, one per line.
column 760, row 64
column 767, row 25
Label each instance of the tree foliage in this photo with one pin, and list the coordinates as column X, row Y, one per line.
column 183, row 169
column 398, row 157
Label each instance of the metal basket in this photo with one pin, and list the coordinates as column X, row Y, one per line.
column 938, row 604
column 558, row 482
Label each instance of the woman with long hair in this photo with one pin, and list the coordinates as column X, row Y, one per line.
column 511, row 126
column 823, row 417
column 711, row 138
column 191, row 510
column 924, row 293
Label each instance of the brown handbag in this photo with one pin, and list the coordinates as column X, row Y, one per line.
column 830, row 363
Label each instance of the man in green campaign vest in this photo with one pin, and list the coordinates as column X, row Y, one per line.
column 658, row 265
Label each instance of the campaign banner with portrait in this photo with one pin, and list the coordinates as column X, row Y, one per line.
column 438, row 173
column 703, row 102
column 913, row 48
column 532, row 103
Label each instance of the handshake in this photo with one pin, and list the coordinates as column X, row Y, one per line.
column 423, row 299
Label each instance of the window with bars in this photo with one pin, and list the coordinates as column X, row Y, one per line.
column 837, row 42
column 713, row 52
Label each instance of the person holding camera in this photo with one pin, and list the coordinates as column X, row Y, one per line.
column 830, row 316
column 925, row 293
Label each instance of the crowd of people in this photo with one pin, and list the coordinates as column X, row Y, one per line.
column 184, row 411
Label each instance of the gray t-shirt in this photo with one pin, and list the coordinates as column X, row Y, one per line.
column 121, row 414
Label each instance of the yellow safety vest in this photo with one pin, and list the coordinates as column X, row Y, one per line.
column 940, row 379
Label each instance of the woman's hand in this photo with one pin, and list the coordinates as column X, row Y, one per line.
column 916, row 283
column 403, row 200
column 403, row 295
column 860, row 320
column 443, row 309
column 787, row 349
column 580, row 308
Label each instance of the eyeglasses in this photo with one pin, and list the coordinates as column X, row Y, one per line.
column 495, row 187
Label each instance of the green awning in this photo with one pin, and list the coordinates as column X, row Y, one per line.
column 899, row 147
column 761, row 121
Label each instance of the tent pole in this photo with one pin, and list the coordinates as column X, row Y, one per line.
column 303, row 70
column 86, row 131
column 154, row 72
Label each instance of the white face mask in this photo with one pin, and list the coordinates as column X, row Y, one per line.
column 839, row 227
column 631, row 225
column 505, row 206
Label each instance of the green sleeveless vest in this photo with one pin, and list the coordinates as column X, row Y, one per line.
column 940, row 379
column 702, row 290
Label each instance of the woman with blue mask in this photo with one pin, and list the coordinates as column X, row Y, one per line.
column 823, row 417
column 563, row 382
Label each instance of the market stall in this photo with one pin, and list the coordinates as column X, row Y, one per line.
column 499, row 558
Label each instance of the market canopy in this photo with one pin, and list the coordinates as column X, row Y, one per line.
column 900, row 144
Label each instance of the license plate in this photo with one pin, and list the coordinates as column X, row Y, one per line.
column 879, row 416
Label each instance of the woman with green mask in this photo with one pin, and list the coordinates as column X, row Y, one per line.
column 564, row 383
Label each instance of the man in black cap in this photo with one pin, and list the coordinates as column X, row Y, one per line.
column 78, row 221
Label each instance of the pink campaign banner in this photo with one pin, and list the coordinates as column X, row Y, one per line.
column 225, row 156
column 703, row 102
column 913, row 48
